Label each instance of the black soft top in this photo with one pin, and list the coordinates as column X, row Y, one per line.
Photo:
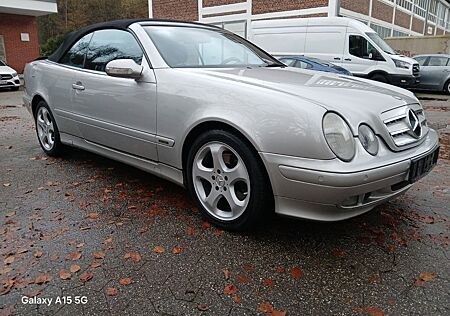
column 73, row 37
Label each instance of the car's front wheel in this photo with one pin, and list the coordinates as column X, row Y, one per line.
column 228, row 181
column 447, row 87
column 47, row 130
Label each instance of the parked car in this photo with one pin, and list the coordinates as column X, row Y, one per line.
column 313, row 64
column 246, row 135
column 435, row 72
column 8, row 77
column 342, row 41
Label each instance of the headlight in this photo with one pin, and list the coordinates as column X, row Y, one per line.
column 14, row 74
column 339, row 136
column 401, row 64
column 368, row 139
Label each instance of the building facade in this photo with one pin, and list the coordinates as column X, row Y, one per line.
column 19, row 41
column 387, row 17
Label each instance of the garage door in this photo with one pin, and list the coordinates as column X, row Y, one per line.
column 2, row 49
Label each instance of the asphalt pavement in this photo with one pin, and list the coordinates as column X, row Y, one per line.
column 85, row 235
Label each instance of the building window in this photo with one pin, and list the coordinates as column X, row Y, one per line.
column 396, row 33
column 420, row 7
column 237, row 27
column 407, row 4
column 381, row 30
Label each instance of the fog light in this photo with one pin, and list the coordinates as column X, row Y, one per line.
column 350, row 201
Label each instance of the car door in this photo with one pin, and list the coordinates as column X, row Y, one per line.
column 62, row 75
column 118, row 113
column 434, row 72
column 357, row 54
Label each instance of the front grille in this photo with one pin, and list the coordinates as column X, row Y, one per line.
column 416, row 70
column 5, row 77
column 399, row 125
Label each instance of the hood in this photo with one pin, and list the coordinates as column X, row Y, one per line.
column 6, row 70
column 357, row 100
column 404, row 58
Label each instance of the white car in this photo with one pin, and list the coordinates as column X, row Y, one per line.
column 8, row 77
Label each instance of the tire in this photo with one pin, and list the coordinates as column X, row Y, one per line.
column 447, row 87
column 47, row 131
column 379, row 78
column 237, row 179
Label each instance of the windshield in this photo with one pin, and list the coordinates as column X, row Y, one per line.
column 381, row 43
column 195, row 47
column 2, row 63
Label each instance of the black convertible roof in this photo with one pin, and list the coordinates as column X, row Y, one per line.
column 73, row 37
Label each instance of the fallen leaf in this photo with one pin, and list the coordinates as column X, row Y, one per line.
column 92, row 215
column 96, row 264
column 108, row 240
column 206, row 225
column 427, row 276
column 371, row 311
column 10, row 214
column 218, row 232
column 243, row 278
column 99, row 255
column 236, row 299
column 248, row 268
column 74, row 268
column 5, row 270
column 86, row 276
column 226, row 274
column 230, row 289
column 296, row 273
column 190, row 231
column 159, row 249
column 125, row 281
column 43, row 278
column 111, row 291
column 373, row 278
column 277, row 313
column 80, row 245
column 177, row 250
column 268, row 282
column 338, row 253
column 75, row 256
column 9, row 260
column 202, row 307
column 134, row 256
column 64, row 275
column 6, row 184
column 265, row 307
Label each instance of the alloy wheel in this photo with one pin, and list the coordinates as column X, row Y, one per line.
column 221, row 181
column 45, row 128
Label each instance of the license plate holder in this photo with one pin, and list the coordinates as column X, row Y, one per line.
column 3, row 82
column 422, row 166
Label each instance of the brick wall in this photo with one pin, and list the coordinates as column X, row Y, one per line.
column 417, row 25
column 18, row 53
column 402, row 19
column 267, row 6
column 360, row 6
column 212, row 3
column 439, row 31
column 185, row 10
column 382, row 11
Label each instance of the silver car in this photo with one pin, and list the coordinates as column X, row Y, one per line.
column 246, row 135
column 434, row 72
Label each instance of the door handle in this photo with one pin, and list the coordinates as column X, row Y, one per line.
column 348, row 59
column 78, row 86
column 337, row 58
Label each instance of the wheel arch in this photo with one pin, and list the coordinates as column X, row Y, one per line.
column 35, row 101
column 378, row 72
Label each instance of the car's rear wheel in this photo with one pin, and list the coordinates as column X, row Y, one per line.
column 447, row 87
column 228, row 181
column 379, row 78
column 47, row 130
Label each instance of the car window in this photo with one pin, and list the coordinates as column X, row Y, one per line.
column 108, row 45
column 303, row 65
column 288, row 61
column 183, row 47
column 360, row 47
column 421, row 60
column 75, row 55
column 438, row 61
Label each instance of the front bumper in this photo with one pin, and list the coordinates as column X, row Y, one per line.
column 406, row 81
column 330, row 190
column 10, row 83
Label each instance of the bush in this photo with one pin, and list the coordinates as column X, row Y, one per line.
column 52, row 44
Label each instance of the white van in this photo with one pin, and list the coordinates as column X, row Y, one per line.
column 342, row 41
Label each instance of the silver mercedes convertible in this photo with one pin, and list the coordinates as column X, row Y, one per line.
column 245, row 134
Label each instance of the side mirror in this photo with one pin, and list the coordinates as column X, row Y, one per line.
column 124, row 68
column 375, row 55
